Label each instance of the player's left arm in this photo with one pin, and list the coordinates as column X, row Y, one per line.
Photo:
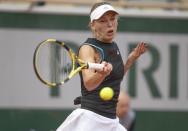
column 140, row 49
column 92, row 78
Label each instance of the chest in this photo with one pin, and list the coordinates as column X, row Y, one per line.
column 113, row 56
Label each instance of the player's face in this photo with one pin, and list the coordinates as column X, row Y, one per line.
column 105, row 27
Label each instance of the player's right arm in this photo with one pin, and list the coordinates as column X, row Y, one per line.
column 92, row 78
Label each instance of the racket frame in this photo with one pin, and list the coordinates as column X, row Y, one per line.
column 74, row 61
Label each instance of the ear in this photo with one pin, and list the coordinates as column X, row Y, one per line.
column 91, row 24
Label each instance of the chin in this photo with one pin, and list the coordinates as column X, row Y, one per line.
column 109, row 39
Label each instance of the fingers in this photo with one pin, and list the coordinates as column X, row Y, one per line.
column 107, row 68
column 144, row 47
column 141, row 48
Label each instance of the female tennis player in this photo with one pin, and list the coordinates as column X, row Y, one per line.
column 96, row 114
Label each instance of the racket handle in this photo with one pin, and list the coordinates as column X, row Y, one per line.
column 95, row 66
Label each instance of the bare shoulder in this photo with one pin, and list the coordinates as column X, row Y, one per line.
column 86, row 47
column 86, row 51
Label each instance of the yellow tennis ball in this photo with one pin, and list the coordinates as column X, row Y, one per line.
column 106, row 93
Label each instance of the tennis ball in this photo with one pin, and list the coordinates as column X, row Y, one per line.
column 106, row 93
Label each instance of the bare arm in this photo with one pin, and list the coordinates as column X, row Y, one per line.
column 92, row 78
column 140, row 49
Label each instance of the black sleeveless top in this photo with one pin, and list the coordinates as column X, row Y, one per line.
column 90, row 100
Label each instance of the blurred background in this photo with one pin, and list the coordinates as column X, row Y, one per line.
column 157, row 83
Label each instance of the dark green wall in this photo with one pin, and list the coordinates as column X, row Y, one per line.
column 49, row 120
column 26, row 120
column 76, row 22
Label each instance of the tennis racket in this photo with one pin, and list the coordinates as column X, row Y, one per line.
column 56, row 63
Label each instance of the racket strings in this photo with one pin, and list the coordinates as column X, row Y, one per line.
column 53, row 62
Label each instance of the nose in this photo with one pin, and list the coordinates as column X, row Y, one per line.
column 109, row 23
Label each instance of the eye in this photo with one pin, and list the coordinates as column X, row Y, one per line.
column 102, row 21
column 113, row 18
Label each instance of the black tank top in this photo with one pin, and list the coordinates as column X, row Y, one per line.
column 90, row 100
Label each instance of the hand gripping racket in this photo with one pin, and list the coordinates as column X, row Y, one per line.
column 55, row 62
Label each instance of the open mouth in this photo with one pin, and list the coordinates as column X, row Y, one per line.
column 110, row 32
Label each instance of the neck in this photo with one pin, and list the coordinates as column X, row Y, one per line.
column 104, row 41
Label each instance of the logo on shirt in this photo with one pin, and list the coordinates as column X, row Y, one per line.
column 113, row 53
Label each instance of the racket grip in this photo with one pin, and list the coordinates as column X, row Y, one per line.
column 95, row 66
